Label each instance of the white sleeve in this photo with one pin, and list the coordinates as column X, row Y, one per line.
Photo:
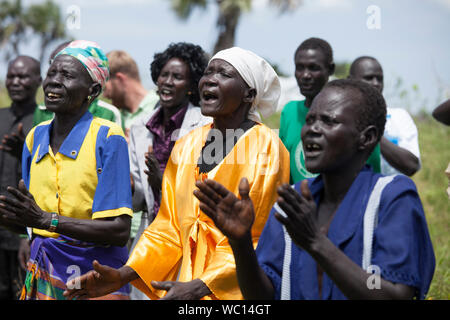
column 401, row 126
column 138, row 195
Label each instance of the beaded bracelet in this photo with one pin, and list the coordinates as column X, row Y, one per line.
column 54, row 222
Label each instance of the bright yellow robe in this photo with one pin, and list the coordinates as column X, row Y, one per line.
column 182, row 239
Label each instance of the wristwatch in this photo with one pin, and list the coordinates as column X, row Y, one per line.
column 53, row 222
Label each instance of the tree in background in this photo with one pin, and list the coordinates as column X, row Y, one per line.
column 12, row 27
column 342, row 69
column 229, row 14
column 17, row 24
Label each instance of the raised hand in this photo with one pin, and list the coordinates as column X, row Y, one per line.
column 23, row 210
column 233, row 216
column 301, row 210
column 154, row 176
column 96, row 283
column 13, row 143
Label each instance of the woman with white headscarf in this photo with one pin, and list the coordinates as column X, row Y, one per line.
column 182, row 255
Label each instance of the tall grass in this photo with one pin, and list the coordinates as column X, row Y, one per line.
column 431, row 182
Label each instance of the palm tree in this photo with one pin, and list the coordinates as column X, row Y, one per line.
column 17, row 24
column 229, row 14
column 47, row 23
column 12, row 27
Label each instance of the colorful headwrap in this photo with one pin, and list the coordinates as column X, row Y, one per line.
column 91, row 57
column 258, row 74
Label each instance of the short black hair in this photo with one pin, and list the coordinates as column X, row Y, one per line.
column 320, row 44
column 358, row 60
column 372, row 109
column 35, row 64
column 192, row 55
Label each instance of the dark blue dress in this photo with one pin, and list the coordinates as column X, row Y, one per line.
column 402, row 249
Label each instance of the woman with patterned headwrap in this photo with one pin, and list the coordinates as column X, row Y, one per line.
column 75, row 196
column 182, row 243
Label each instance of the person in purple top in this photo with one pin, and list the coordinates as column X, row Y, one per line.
column 176, row 71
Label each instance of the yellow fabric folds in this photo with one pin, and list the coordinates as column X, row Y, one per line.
column 182, row 240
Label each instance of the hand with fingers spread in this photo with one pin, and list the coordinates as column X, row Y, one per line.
column 13, row 143
column 22, row 210
column 177, row 290
column 233, row 216
column 96, row 283
column 154, row 175
column 301, row 220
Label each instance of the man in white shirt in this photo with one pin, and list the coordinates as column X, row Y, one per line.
column 399, row 145
column 125, row 90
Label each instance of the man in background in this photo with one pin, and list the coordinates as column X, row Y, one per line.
column 22, row 81
column 125, row 90
column 399, row 145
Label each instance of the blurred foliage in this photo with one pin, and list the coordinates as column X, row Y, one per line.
column 229, row 15
column 431, row 182
column 342, row 69
column 18, row 24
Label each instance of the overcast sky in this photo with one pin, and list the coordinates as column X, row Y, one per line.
column 411, row 43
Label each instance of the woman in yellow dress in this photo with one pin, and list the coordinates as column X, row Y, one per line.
column 182, row 255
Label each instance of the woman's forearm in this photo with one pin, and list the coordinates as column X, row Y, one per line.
column 127, row 275
column 111, row 231
column 350, row 278
column 252, row 280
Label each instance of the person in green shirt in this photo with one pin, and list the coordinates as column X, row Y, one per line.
column 313, row 66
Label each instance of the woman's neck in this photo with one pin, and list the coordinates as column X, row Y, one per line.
column 169, row 112
column 337, row 184
column 61, row 127
column 232, row 121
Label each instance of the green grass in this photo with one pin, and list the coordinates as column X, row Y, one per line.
column 431, row 182
column 4, row 99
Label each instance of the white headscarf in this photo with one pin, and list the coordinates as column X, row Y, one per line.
column 258, row 74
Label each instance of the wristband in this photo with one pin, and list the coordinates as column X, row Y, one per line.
column 54, row 222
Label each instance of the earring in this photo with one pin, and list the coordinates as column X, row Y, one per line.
column 189, row 93
column 89, row 98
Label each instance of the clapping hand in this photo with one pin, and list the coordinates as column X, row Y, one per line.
column 154, row 176
column 177, row 290
column 301, row 211
column 95, row 283
column 22, row 209
column 233, row 216
column 13, row 143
